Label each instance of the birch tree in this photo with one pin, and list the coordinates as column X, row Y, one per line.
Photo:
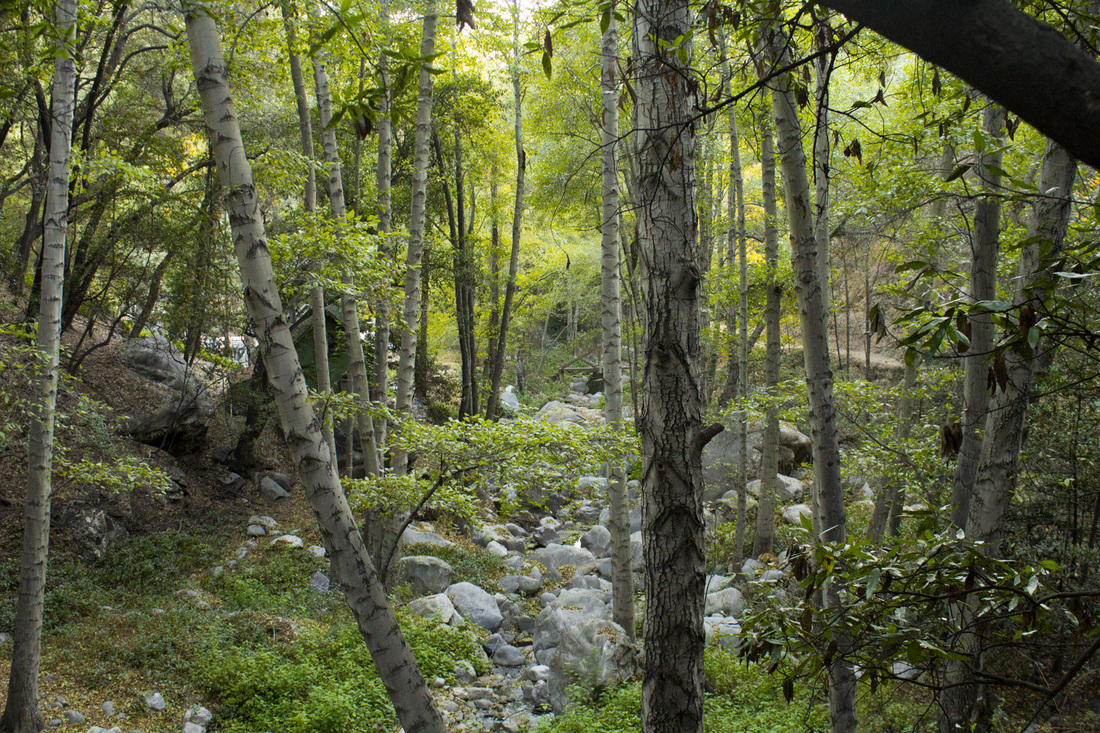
column 390, row 652
column 406, row 370
column 622, row 577
column 21, row 711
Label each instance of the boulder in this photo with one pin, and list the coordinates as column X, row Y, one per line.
column 92, row 530
column 424, row 574
column 787, row 488
column 180, row 414
column 722, row 456
column 271, row 491
column 509, row 399
column 793, row 514
column 438, row 607
column 727, row 602
column 554, row 557
column 475, row 605
column 416, row 537
column 597, row 540
column 576, row 638
column 557, row 412
column 722, row 630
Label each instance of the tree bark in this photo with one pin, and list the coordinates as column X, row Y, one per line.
column 819, row 376
column 390, row 652
column 622, row 577
column 764, row 538
column 1021, row 63
column 406, row 370
column 983, row 286
column 672, row 434
column 383, row 176
column 21, row 711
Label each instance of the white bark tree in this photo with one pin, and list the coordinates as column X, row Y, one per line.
column 390, row 652
column 21, row 711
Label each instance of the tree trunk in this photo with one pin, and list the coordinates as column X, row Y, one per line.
column 891, row 497
column 823, row 67
column 385, row 223
column 819, row 376
column 21, row 711
column 622, row 577
column 983, row 286
column 390, row 652
column 464, row 295
column 769, row 459
column 406, row 370
column 493, row 399
column 672, row 435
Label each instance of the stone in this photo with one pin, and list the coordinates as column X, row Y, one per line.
column 793, row 514
column 95, row 728
column 751, row 566
column 271, row 492
column 475, row 605
column 92, row 531
column 515, row 529
column 497, row 549
column 256, row 530
column 316, row 551
column 198, row 714
column 437, row 606
column 155, row 702
column 4, row 639
column 771, row 575
column 597, row 541
column 108, row 708
column 554, row 557
column 417, row 537
column 724, row 631
column 509, row 399
column 198, row 599
column 637, row 553
column 319, row 582
column 464, row 671
column 425, row 575
column 288, row 540
column 285, row 480
column 555, row 412
column 716, row 583
column 598, row 482
column 191, row 727
column 509, row 656
column 904, row 671
column 263, row 520
column 73, row 716
column 576, row 638
column 787, row 488
column 544, row 536
column 180, row 415
column 727, row 602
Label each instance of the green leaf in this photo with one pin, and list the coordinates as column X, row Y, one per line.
column 957, row 173
column 547, row 65
column 605, row 20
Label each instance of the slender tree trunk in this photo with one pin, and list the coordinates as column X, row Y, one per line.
column 493, row 398
column 392, row 656
column 406, row 370
column 891, row 496
column 494, row 282
column 357, row 364
column 464, row 302
column 672, row 433
column 819, row 376
column 38, row 171
column 822, row 160
column 21, row 711
column 383, row 177
column 622, row 577
column 769, row 460
column 983, row 286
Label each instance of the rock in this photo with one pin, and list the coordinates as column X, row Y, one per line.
column 521, row 583
column 771, row 575
column 597, row 541
column 787, row 488
column 751, row 566
column 588, row 513
column 438, row 606
column 509, row 399
column 288, row 540
column 4, row 638
column 416, row 537
column 509, row 656
column 497, row 549
column 637, row 554
column 155, row 701
column 263, row 520
column 794, row 514
column 92, row 531
column 576, row 638
column 555, row 412
column 726, row 602
column 198, row 714
column 515, row 529
column 319, row 582
column 500, row 534
column 465, row 672
column 475, row 605
column 424, row 574
column 255, row 530
column 905, row 671
column 554, row 557
column 190, row 727
column 544, row 536
column 94, row 728
column 716, row 583
column 108, row 708
column 724, row 631
column 181, row 412
column 271, row 492
column 73, row 716
column 316, row 551
column 285, row 480
column 599, row 482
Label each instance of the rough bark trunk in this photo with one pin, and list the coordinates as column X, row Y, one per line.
column 406, row 370
column 383, row 176
column 21, row 711
column 622, row 577
column 769, row 460
column 391, row 654
column 983, row 286
column 672, row 435
column 819, row 376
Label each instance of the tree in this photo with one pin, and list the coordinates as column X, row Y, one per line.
column 671, row 421
column 622, row 577
column 21, row 711
column 390, row 652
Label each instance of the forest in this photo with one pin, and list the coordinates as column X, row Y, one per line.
column 673, row 365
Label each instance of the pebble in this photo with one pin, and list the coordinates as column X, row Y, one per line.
column 256, row 530
column 108, row 708
column 155, row 701
column 73, row 716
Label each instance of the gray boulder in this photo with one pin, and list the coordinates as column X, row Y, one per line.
column 180, row 413
column 597, row 540
column 425, row 575
column 724, row 631
column 416, row 537
column 271, row 491
column 787, row 488
column 475, row 605
column 727, row 602
column 576, row 638
column 793, row 514
column 554, row 557
column 438, row 607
